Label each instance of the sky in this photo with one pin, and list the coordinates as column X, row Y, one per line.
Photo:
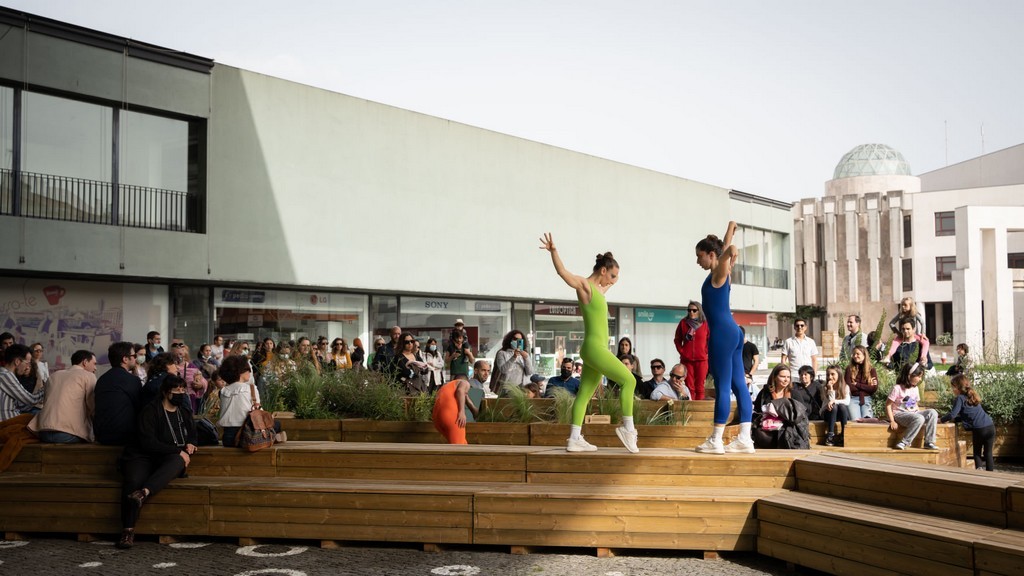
column 754, row 95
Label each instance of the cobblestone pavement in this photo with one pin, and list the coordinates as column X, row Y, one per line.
column 65, row 557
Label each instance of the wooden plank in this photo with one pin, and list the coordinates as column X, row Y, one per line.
column 371, row 499
column 818, row 561
column 593, row 539
column 401, row 474
column 958, row 561
column 543, row 505
column 661, row 480
column 353, row 517
column 549, row 524
column 347, row 533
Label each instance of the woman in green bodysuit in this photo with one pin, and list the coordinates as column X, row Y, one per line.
column 597, row 359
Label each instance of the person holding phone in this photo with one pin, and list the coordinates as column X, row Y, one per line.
column 460, row 357
column 512, row 364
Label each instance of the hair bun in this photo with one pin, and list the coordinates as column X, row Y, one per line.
column 713, row 238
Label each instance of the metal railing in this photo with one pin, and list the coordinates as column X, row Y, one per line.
column 54, row 197
column 760, row 276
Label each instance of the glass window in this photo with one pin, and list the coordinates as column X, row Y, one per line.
column 908, row 231
column 486, row 321
column 945, row 223
column 66, row 159
column 191, row 306
column 283, row 315
column 944, row 266
column 1015, row 260
column 153, row 151
column 908, row 274
column 6, row 148
column 64, row 137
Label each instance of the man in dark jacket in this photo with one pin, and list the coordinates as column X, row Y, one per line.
column 118, row 397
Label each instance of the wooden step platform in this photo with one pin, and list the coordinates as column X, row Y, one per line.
column 955, row 493
column 846, row 537
column 1000, row 554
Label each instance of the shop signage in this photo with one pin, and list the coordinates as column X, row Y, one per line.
column 253, row 296
column 557, row 309
column 487, row 306
column 659, row 315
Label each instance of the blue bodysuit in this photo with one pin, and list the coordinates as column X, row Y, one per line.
column 725, row 352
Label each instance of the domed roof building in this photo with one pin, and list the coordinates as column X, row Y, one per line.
column 872, row 160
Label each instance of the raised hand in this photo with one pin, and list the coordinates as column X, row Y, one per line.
column 547, row 243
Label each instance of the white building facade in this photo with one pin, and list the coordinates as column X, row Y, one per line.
column 146, row 189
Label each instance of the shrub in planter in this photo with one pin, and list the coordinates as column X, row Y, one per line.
column 516, row 408
column 1002, row 393
column 421, row 409
column 363, row 394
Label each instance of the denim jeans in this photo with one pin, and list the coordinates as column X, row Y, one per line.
column 857, row 411
column 54, row 437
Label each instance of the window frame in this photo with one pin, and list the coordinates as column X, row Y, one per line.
column 944, row 264
column 945, row 223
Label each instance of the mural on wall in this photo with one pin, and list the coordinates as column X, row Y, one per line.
column 63, row 316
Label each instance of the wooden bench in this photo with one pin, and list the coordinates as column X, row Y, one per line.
column 669, row 517
column 1000, row 554
column 845, row 537
column 662, row 467
column 1015, row 512
column 954, row 493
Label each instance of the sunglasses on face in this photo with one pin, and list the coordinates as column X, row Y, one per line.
column 657, row 367
column 178, row 345
column 677, row 376
column 407, row 341
column 801, row 325
column 37, row 349
column 692, row 310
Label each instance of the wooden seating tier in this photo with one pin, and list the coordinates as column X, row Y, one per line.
column 852, row 514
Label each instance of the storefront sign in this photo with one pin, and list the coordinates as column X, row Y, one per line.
column 251, row 296
column 557, row 309
column 750, row 318
column 660, row 315
column 487, row 306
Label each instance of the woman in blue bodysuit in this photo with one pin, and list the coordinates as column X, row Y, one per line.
column 725, row 343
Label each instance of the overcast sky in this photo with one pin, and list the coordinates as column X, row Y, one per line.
column 761, row 96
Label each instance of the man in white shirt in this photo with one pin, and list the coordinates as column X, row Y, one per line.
column 675, row 387
column 800, row 349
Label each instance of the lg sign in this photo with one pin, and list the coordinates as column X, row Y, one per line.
column 314, row 299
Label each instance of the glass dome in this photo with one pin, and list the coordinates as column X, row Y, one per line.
column 872, row 160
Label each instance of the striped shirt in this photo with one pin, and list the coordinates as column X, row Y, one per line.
column 13, row 396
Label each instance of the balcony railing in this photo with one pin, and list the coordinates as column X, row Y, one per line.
column 78, row 200
column 759, row 276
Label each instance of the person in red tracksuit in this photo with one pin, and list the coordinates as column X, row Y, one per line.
column 692, row 343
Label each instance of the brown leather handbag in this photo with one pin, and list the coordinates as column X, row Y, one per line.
column 258, row 429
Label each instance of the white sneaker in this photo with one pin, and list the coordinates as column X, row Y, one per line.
column 710, row 446
column 580, row 445
column 628, row 438
column 740, row 446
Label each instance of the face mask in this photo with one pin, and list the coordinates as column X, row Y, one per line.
column 285, row 356
column 432, row 348
column 245, row 352
column 177, row 398
column 141, row 359
column 566, row 373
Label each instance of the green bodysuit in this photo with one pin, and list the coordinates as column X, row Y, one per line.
column 597, row 360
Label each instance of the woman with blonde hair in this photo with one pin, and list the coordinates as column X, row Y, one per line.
column 907, row 309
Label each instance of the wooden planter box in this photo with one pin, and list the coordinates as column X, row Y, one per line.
column 499, row 433
column 1007, row 445
column 311, row 430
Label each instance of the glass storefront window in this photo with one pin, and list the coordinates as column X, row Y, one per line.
column 284, row 315
column 559, row 333
column 191, row 320
column 384, row 311
column 486, row 321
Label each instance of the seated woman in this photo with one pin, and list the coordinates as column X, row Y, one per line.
column 779, row 421
column 236, row 400
column 807, row 391
column 862, row 379
column 835, row 402
column 161, row 452
column 449, row 415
